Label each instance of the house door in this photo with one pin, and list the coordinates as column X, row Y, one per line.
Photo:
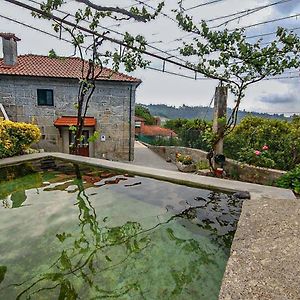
column 83, row 149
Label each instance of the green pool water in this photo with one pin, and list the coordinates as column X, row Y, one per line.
column 110, row 236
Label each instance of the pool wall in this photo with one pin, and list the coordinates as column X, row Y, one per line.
column 265, row 258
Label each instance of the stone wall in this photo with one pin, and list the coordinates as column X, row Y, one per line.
column 234, row 169
column 112, row 105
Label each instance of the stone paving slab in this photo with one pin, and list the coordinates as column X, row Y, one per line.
column 265, row 255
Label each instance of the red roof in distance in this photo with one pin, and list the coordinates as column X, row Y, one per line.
column 62, row 67
column 72, row 121
column 152, row 130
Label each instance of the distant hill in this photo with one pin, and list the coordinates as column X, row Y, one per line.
column 200, row 112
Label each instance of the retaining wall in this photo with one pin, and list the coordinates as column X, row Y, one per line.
column 234, row 169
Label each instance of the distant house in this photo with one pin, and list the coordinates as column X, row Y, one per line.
column 41, row 89
column 149, row 133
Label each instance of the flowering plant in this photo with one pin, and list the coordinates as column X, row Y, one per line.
column 257, row 157
column 16, row 137
column 184, row 159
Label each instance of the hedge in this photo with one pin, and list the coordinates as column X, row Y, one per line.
column 16, row 137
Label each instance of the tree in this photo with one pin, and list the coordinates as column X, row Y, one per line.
column 143, row 112
column 90, row 48
column 222, row 55
column 227, row 56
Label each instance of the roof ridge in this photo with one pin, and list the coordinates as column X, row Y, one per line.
column 42, row 68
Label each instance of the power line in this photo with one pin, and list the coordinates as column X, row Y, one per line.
column 148, row 67
column 243, row 11
column 64, row 21
column 151, row 7
column 203, row 4
column 254, row 10
column 269, row 33
column 116, row 32
column 283, row 77
column 34, row 28
column 70, row 42
column 113, row 40
column 266, row 22
column 178, row 74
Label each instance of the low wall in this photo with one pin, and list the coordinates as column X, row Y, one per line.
column 234, row 169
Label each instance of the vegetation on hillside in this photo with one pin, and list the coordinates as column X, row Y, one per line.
column 143, row 112
column 201, row 112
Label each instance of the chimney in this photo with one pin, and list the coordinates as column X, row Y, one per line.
column 10, row 53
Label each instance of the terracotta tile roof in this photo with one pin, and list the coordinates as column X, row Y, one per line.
column 72, row 121
column 152, row 130
column 63, row 67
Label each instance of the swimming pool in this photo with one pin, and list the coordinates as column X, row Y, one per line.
column 110, row 235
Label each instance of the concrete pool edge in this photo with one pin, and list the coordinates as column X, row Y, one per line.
column 266, row 231
column 257, row 191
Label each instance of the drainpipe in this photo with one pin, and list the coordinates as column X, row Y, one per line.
column 130, row 122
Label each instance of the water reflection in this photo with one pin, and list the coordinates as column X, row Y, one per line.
column 168, row 260
column 3, row 270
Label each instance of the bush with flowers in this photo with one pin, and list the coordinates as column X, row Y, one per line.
column 255, row 157
column 184, row 159
column 16, row 138
column 280, row 138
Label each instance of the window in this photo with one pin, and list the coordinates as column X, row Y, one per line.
column 45, row 97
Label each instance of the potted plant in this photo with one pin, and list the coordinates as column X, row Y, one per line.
column 185, row 163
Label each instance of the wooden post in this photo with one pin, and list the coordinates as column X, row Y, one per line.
column 220, row 108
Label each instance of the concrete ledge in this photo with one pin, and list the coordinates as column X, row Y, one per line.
column 265, row 257
column 256, row 191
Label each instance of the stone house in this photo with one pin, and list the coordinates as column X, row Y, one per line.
column 43, row 90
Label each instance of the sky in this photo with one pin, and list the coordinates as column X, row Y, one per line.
column 273, row 96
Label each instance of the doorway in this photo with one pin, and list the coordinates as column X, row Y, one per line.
column 83, row 149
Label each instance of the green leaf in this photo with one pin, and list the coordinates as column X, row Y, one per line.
column 65, row 261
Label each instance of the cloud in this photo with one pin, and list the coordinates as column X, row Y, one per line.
column 279, row 99
column 287, row 7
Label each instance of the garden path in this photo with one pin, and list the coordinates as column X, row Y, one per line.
column 143, row 156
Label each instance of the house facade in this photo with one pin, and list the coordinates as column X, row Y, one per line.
column 44, row 91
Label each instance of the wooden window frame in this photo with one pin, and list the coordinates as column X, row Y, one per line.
column 39, row 102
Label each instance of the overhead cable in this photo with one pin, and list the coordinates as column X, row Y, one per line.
column 249, row 12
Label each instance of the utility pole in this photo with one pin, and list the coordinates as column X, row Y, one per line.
column 219, row 121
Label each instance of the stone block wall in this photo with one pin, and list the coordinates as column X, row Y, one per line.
column 112, row 105
column 234, row 169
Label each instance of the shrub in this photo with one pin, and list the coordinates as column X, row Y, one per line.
column 202, row 165
column 16, row 137
column 290, row 180
column 184, row 159
column 282, row 138
column 259, row 158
